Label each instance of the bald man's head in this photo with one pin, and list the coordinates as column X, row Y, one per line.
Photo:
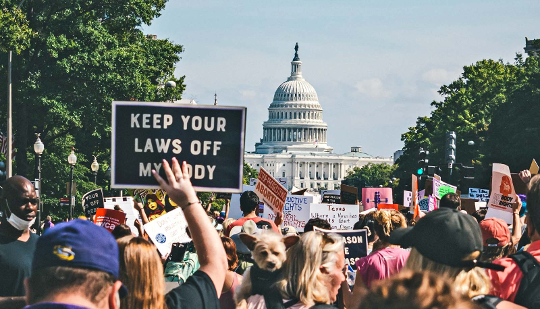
column 15, row 185
column 21, row 198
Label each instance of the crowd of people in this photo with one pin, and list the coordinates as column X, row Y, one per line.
column 445, row 259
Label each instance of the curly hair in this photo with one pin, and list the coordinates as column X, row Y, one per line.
column 386, row 221
column 417, row 290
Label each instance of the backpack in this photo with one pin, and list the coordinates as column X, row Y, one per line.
column 528, row 294
column 273, row 300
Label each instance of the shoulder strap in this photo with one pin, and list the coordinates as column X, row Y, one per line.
column 323, row 306
column 531, row 275
column 273, row 300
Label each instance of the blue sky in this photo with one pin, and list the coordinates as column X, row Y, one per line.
column 376, row 65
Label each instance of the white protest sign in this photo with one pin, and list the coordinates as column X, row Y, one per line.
column 480, row 194
column 441, row 188
column 126, row 205
column 295, row 211
column 168, row 229
column 503, row 194
column 407, row 197
column 340, row 216
column 270, row 191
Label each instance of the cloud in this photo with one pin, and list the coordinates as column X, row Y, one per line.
column 440, row 77
column 372, row 87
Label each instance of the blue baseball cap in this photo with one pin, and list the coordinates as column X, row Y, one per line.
column 78, row 244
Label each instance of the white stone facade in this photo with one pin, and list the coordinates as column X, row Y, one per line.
column 294, row 143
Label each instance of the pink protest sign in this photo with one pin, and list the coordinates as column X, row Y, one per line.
column 368, row 197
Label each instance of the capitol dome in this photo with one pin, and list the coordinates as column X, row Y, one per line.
column 294, row 117
column 295, row 90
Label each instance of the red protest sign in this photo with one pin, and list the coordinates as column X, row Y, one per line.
column 388, row 206
column 109, row 218
column 270, row 191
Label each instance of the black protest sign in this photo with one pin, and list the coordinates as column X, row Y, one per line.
column 349, row 195
column 92, row 201
column 331, row 199
column 356, row 244
column 223, row 196
column 209, row 138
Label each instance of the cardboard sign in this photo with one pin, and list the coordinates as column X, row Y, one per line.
column 209, row 138
column 109, row 218
column 340, row 216
column 349, row 194
column 168, row 229
column 502, row 195
column 295, row 211
column 534, row 167
column 356, row 244
column 368, row 196
column 91, row 201
column 270, row 191
column 414, row 199
column 479, row 194
column 441, row 188
column 388, row 206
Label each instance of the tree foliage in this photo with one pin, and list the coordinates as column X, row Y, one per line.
column 371, row 176
column 492, row 104
column 84, row 55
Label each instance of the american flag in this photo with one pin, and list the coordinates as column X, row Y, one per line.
column 4, row 145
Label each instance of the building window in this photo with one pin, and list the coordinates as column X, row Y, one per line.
column 257, row 164
column 283, row 164
column 302, row 185
column 283, row 174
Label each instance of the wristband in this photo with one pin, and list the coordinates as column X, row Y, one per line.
column 191, row 203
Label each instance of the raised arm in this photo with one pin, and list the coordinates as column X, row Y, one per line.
column 516, row 222
column 210, row 250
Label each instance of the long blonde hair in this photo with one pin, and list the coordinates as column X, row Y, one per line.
column 141, row 272
column 468, row 282
column 302, row 277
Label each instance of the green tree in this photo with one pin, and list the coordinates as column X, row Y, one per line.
column 493, row 104
column 371, row 176
column 249, row 173
column 81, row 56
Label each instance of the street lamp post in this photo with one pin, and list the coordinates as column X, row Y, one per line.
column 38, row 149
column 95, row 168
column 108, row 177
column 72, row 160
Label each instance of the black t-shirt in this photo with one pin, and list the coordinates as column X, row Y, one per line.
column 197, row 292
column 15, row 264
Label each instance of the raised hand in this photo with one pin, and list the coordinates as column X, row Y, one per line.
column 178, row 186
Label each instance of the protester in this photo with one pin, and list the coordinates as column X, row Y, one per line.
column 511, row 284
column 414, row 290
column 121, row 230
column 47, row 224
column 384, row 261
column 232, row 279
column 17, row 243
column 75, row 265
column 496, row 239
column 141, row 272
column 312, row 274
column 448, row 243
column 367, row 222
column 249, row 204
column 450, row 200
column 317, row 222
column 203, row 288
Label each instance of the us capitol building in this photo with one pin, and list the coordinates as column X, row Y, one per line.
column 294, row 144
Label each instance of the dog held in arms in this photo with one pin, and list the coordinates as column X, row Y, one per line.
column 268, row 251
